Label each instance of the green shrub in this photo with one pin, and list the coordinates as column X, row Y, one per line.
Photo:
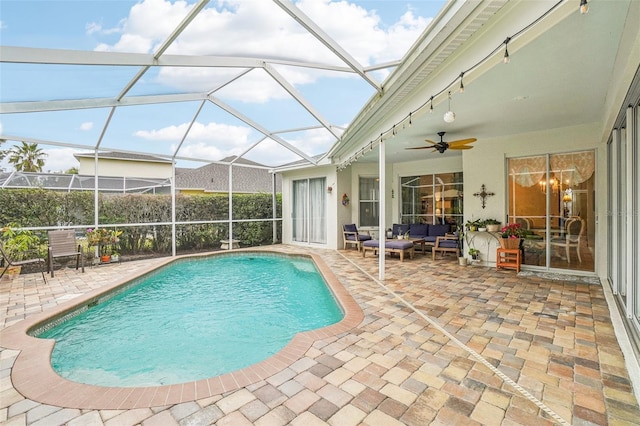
column 39, row 208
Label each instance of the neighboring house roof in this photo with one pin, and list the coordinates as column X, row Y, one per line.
column 248, row 176
column 124, row 156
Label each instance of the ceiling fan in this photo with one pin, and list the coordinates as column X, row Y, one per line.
column 442, row 146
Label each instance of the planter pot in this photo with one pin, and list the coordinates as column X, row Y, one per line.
column 493, row 228
column 510, row 243
column 105, row 258
column 115, row 258
column 13, row 271
column 482, row 229
column 462, row 261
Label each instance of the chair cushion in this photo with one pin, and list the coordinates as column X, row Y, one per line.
column 398, row 244
column 351, row 227
column 439, row 230
column 364, row 237
column 448, row 244
column 391, row 244
column 420, row 230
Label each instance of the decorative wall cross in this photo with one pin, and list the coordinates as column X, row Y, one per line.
column 483, row 195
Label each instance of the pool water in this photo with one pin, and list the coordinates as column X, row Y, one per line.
column 194, row 319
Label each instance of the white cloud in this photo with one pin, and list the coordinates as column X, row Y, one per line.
column 220, row 134
column 60, row 159
column 204, row 151
column 239, row 28
column 88, row 125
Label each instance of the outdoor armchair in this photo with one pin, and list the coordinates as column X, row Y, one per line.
column 8, row 262
column 351, row 236
column 446, row 244
column 62, row 243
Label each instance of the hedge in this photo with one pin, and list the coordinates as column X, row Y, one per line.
column 43, row 208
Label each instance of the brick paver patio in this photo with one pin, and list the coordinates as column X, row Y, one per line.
column 439, row 344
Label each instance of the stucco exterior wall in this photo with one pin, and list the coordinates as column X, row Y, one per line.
column 124, row 168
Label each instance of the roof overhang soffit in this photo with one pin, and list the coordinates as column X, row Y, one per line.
column 454, row 25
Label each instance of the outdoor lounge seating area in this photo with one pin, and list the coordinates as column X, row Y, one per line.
column 428, row 232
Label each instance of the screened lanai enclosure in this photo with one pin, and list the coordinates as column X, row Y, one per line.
column 156, row 89
column 76, row 182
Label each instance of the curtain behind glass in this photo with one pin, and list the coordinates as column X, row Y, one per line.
column 317, row 217
column 300, row 213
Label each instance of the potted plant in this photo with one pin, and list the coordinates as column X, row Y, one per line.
column 493, row 225
column 474, row 253
column 482, row 227
column 104, row 241
column 115, row 256
column 105, row 253
column 472, row 225
column 511, row 235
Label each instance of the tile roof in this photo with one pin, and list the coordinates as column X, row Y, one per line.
column 215, row 177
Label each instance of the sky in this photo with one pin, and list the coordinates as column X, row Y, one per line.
column 373, row 32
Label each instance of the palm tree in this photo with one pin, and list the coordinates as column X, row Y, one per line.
column 27, row 157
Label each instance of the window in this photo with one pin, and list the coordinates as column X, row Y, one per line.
column 369, row 201
column 432, row 199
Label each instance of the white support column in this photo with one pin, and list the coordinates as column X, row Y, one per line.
column 96, row 188
column 230, row 207
column 381, row 214
column 274, row 205
column 173, row 208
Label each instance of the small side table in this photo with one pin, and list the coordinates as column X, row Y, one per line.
column 508, row 258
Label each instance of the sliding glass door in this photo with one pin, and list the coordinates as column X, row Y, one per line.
column 309, row 211
column 552, row 196
column 435, row 198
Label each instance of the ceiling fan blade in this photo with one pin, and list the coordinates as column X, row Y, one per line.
column 423, row 147
column 431, row 142
column 462, row 142
column 461, row 147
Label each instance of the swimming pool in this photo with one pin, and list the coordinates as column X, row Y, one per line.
column 193, row 319
column 33, row 376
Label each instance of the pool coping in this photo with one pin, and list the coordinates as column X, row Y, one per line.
column 33, row 376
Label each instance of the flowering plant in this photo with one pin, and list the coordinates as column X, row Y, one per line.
column 513, row 230
column 102, row 236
